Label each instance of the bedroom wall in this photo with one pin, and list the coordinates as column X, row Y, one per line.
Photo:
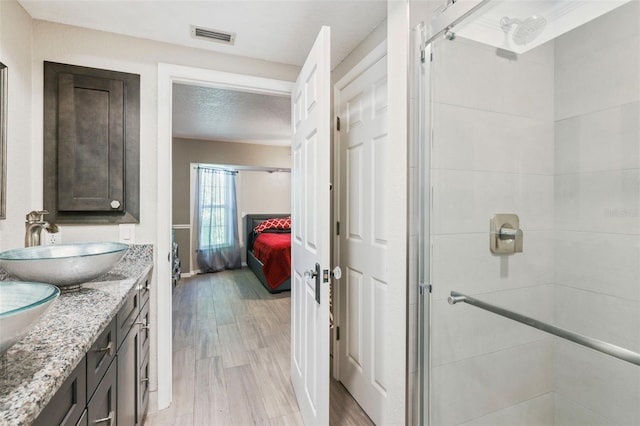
column 257, row 192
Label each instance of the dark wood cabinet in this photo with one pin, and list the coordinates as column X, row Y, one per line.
column 128, row 377
column 91, row 144
column 67, row 405
column 112, row 380
column 102, row 408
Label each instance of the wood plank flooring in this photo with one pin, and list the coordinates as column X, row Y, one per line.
column 231, row 349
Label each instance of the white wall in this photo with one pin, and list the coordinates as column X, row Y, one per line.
column 597, row 215
column 15, row 53
column 262, row 192
column 78, row 46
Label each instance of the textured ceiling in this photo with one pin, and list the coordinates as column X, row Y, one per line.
column 224, row 115
column 279, row 31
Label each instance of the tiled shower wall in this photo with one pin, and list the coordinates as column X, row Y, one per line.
column 553, row 136
column 597, row 217
column 492, row 153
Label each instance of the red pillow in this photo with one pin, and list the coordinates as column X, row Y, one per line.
column 273, row 223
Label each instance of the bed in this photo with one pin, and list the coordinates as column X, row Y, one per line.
column 269, row 252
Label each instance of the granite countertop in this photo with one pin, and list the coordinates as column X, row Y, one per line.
column 33, row 369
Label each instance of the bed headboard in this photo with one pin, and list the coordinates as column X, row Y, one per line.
column 252, row 220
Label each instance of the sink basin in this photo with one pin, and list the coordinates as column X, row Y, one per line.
column 64, row 264
column 21, row 304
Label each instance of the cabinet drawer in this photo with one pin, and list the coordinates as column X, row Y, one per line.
column 100, row 356
column 67, row 405
column 127, row 316
column 144, row 286
column 145, row 330
column 101, row 409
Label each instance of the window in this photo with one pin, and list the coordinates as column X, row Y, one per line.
column 216, row 206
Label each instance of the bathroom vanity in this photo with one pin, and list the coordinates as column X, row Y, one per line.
column 87, row 360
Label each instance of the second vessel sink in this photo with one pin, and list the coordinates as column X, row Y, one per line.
column 64, row 264
column 21, row 304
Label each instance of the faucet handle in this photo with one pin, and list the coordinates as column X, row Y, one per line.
column 36, row 215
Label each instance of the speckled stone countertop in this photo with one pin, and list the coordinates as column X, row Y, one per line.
column 33, row 369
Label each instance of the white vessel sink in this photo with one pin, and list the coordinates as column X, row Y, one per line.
column 21, row 304
column 64, row 264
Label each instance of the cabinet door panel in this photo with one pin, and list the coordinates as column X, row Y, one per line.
column 101, row 409
column 90, row 143
column 128, row 379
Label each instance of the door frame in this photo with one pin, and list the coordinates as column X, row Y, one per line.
column 167, row 75
column 368, row 61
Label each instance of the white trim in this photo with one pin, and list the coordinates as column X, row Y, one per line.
column 378, row 52
column 167, row 75
column 367, row 62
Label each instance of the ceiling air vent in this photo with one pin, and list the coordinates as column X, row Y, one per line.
column 212, row 35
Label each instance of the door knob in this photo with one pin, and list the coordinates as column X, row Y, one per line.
column 310, row 273
column 336, row 273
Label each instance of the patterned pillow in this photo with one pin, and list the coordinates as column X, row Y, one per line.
column 273, row 223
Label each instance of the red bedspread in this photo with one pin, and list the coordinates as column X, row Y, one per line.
column 274, row 251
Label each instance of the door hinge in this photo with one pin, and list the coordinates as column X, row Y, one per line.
column 337, row 228
column 338, row 123
column 337, row 332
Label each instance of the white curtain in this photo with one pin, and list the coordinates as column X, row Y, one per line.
column 216, row 220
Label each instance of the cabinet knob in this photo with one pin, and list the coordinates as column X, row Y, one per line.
column 115, row 204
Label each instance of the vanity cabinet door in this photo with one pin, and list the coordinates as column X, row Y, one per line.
column 128, row 376
column 67, row 405
column 101, row 409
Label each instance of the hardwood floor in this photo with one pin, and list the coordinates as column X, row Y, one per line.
column 231, row 341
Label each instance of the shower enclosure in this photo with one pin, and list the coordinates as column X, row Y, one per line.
column 528, row 186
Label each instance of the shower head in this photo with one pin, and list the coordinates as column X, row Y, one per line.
column 527, row 29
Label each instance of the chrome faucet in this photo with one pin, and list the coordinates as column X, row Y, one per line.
column 35, row 223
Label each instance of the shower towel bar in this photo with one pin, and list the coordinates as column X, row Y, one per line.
column 598, row 345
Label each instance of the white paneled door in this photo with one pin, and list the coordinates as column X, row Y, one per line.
column 366, row 206
column 310, row 237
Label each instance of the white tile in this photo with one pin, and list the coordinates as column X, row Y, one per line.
column 462, row 331
column 599, row 202
column 600, row 80
column 534, row 412
column 599, row 34
column 579, row 146
column 611, row 319
column 463, row 262
column 470, row 74
column 464, row 201
column 608, row 386
column 598, row 262
column 472, row 139
column 568, row 413
column 475, row 387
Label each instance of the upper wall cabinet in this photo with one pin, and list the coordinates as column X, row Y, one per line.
column 91, row 145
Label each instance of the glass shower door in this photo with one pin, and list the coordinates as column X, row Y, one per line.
column 534, row 112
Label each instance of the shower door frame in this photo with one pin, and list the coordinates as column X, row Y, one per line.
column 425, row 35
